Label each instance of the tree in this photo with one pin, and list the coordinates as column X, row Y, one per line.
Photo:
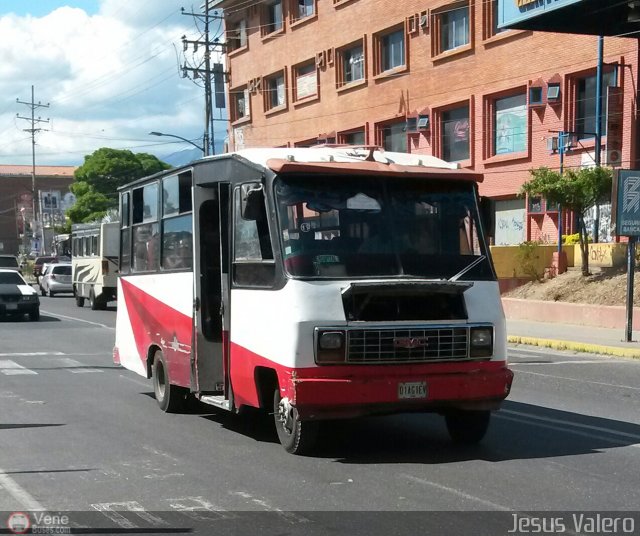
column 90, row 205
column 575, row 190
column 103, row 172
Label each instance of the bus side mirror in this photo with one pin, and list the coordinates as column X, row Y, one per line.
column 488, row 215
column 252, row 201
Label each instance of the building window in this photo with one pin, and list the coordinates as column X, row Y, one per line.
column 240, row 100
column 393, row 136
column 306, row 81
column 586, row 104
column 493, row 19
column 351, row 65
column 301, row 9
column 454, row 138
column 535, row 96
column 510, row 124
column 272, row 17
column 274, row 95
column 452, row 26
column 353, row 137
column 237, row 35
column 390, row 50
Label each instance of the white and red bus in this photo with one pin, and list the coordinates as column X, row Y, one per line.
column 317, row 283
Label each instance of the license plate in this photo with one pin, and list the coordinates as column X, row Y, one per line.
column 11, row 306
column 412, row 390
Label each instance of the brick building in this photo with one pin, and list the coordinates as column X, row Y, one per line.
column 16, row 207
column 433, row 77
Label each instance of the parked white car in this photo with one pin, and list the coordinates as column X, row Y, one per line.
column 56, row 279
column 17, row 297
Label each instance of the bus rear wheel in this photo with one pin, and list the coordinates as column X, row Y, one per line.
column 79, row 299
column 95, row 303
column 170, row 398
column 467, row 427
column 295, row 435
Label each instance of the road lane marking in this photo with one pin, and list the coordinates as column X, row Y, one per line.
column 11, row 368
column 566, row 429
column 108, row 510
column 30, row 354
column 78, row 320
column 617, row 386
column 24, row 498
column 199, row 509
column 453, row 491
column 78, row 367
column 569, row 423
column 291, row 517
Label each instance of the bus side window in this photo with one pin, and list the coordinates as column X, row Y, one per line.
column 252, row 253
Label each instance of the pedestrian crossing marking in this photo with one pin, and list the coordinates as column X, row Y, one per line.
column 11, row 368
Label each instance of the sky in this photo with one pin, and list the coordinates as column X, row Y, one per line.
column 109, row 70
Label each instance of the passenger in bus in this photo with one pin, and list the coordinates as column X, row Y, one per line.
column 178, row 254
column 145, row 248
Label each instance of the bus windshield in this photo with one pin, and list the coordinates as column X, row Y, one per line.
column 363, row 226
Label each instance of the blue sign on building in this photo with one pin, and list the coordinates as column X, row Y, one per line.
column 627, row 202
column 513, row 11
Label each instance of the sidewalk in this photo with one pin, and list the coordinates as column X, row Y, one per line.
column 573, row 337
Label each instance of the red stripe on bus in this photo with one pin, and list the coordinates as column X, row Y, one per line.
column 155, row 323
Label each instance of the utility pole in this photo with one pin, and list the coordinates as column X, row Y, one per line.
column 598, row 133
column 204, row 71
column 33, row 105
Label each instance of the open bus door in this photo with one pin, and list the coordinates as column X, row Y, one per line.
column 210, row 354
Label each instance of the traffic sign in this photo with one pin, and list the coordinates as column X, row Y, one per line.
column 626, row 202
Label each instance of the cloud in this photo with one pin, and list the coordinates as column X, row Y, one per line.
column 109, row 78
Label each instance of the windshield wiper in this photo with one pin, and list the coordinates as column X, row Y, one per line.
column 467, row 268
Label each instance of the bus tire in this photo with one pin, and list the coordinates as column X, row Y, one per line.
column 295, row 435
column 94, row 302
column 79, row 301
column 170, row 398
column 467, row 427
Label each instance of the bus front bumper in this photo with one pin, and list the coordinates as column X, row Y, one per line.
column 480, row 388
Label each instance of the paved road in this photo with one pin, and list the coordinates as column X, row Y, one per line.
column 79, row 434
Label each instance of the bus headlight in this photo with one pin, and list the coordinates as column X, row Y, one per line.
column 481, row 342
column 330, row 347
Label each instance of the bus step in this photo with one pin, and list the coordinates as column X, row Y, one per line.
column 216, row 400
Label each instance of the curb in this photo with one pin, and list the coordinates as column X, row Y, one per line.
column 576, row 346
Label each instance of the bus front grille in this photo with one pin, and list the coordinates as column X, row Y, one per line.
column 407, row 345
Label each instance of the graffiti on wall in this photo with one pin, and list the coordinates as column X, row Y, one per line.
column 604, row 231
column 510, row 223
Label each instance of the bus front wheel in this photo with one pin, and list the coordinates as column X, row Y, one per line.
column 295, row 435
column 170, row 398
column 467, row 427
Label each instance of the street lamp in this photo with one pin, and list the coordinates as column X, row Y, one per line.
column 180, row 138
